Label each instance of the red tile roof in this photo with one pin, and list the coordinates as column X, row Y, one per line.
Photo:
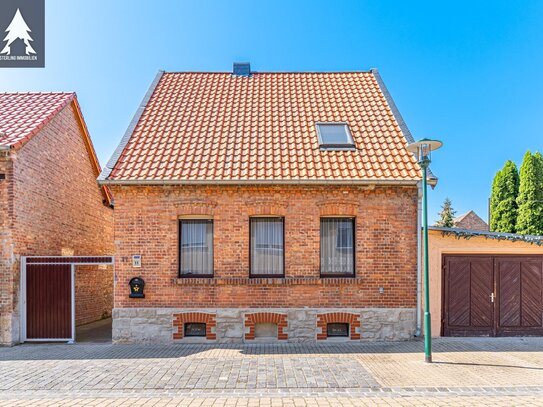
column 217, row 127
column 22, row 115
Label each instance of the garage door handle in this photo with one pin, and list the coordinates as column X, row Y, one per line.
column 492, row 297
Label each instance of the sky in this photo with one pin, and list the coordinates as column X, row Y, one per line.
column 468, row 73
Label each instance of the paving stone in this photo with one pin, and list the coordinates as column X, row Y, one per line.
column 465, row 372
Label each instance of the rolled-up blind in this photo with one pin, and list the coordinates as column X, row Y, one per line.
column 196, row 247
column 337, row 246
column 267, row 246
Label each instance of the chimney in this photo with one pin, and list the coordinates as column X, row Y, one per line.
column 242, row 69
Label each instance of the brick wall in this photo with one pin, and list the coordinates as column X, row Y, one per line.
column 93, row 293
column 58, row 207
column 471, row 221
column 146, row 223
column 6, row 251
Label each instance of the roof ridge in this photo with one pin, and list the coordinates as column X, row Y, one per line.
column 39, row 93
column 462, row 216
column 271, row 72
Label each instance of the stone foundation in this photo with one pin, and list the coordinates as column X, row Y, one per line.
column 9, row 329
column 156, row 325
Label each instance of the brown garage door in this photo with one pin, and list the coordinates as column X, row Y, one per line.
column 48, row 301
column 492, row 295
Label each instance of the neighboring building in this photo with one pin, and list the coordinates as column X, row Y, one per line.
column 485, row 283
column 471, row 221
column 50, row 205
column 265, row 206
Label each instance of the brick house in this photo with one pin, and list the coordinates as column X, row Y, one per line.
column 471, row 221
column 50, row 203
column 265, row 206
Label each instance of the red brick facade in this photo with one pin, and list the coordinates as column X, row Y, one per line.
column 179, row 321
column 344, row 317
column 146, row 223
column 54, row 207
column 266, row 317
column 470, row 221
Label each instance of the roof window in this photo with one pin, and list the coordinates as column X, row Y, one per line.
column 335, row 136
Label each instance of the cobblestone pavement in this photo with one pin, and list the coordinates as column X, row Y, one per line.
column 494, row 372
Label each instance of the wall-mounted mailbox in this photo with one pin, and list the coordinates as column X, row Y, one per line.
column 136, row 287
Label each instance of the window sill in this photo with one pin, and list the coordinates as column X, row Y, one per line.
column 328, row 281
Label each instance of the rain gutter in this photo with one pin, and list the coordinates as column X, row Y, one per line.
column 257, row 182
column 418, row 312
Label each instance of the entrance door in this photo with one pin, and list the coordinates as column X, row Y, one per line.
column 492, row 296
column 468, row 294
column 49, row 301
column 520, row 305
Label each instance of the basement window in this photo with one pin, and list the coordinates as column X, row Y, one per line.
column 337, row 330
column 195, row 329
column 335, row 136
column 266, row 330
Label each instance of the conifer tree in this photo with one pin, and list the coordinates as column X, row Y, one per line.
column 530, row 198
column 18, row 29
column 503, row 199
column 446, row 216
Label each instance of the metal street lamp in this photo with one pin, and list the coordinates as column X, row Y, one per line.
column 423, row 153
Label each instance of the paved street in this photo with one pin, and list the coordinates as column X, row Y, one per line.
column 466, row 372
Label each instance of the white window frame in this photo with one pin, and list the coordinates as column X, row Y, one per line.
column 349, row 145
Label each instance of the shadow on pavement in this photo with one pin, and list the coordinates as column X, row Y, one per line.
column 95, row 332
column 487, row 365
column 100, row 347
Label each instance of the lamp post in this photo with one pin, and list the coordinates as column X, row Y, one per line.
column 423, row 153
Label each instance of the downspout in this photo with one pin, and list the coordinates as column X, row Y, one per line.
column 419, row 262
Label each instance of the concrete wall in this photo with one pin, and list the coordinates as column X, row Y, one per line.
column 440, row 244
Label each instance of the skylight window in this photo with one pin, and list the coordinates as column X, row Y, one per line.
column 335, row 136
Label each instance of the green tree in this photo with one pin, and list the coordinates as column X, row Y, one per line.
column 530, row 198
column 503, row 199
column 446, row 216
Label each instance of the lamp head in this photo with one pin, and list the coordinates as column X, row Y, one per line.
column 423, row 149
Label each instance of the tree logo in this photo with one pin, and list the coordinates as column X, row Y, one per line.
column 18, row 29
column 22, row 33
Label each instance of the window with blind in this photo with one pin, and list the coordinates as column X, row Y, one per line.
column 337, row 247
column 196, row 248
column 267, row 247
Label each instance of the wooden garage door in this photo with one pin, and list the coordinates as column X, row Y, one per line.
column 48, row 301
column 492, row 295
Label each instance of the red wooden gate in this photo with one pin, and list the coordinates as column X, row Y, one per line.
column 48, row 297
column 492, row 296
column 49, row 301
column 520, row 305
